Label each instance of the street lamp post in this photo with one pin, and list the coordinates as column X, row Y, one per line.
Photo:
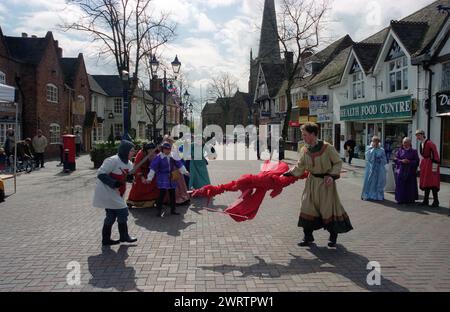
column 191, row 111
column 185, row 108
column 176, row 65
column 125, row 88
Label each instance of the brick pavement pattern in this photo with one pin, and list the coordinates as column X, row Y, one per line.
column 50, row 223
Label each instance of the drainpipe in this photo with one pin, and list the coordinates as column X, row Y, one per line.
column 430, row 97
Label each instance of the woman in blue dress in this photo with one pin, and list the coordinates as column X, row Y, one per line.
column 375, row 175
column 198, row 169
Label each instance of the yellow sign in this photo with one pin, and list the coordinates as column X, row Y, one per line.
column 79, row 107
column 305, row 119
column 304, row 103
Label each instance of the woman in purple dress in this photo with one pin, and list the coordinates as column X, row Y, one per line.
column 406, row 163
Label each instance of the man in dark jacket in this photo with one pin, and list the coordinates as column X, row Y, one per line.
column 349, row 146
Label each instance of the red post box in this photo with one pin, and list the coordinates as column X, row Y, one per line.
column 69, row 152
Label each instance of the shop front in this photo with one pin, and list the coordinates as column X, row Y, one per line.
column 389, row 119
column 443, row 111
column 325, row 121
column 321, row 108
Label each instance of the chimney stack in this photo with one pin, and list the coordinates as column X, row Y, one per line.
column 289, row 61
column 24, row 35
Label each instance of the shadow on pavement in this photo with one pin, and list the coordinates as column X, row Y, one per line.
column 415, row 208
column 199, row 204
column 172, row 225
column 336, row 261
column 109, row 270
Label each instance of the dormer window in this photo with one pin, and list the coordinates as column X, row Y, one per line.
column 395, row 52
column 311, row 68
column 398, row 74
column 358, row 87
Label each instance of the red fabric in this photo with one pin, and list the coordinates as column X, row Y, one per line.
column 141, row 192
column 253, row 188
column 122, row 178
column 428, row 177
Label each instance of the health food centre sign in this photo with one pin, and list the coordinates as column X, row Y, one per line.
column 396, row 108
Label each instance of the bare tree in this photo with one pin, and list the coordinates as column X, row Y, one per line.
column 300, row 24
column 128, row 30
column 222, row 88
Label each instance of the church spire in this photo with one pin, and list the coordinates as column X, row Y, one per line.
column 269, row 47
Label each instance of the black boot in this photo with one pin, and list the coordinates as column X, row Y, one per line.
column 124, row 237
column 106, row 234
column 426, row 199
column 307, row 240
column 435, row 198
column 173, row 203
column 333, row 239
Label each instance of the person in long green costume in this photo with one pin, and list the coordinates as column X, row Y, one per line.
column 199, row 176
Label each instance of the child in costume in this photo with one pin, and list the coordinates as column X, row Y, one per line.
column 111, row 187
column 165, row 167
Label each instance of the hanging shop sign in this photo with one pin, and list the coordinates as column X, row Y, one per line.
column 324, row 118
column 303, row 103
column 304, row 119
column 318, row 104
column 394, row 108
column 443, row 103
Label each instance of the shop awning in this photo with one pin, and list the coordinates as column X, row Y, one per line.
column 6, row 93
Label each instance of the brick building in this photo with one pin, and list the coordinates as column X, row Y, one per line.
column 53, row 92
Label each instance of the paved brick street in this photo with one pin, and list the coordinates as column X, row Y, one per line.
column 50, row 222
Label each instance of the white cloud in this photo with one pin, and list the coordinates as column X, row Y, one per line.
column 361, row 19
column 205, row 24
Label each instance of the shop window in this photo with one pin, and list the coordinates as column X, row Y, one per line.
column 445, row 142
column 398, row 74
column 2, row 77
column 446, row 77
column 52, row 93
column 55, row 133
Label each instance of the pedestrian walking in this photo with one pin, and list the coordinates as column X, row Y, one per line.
column 167, row 171
column 111, row 187
column 375, row 174
column 9, row 146
column 61, row 149
column 349, row 146
column 321, row 206
column 406, row 163
column 78, row 143
column 430, row 179
column 39, row 145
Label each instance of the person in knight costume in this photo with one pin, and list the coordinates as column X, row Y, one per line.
column 110, row 190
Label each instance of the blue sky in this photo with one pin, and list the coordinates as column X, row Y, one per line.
column 213, row 35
